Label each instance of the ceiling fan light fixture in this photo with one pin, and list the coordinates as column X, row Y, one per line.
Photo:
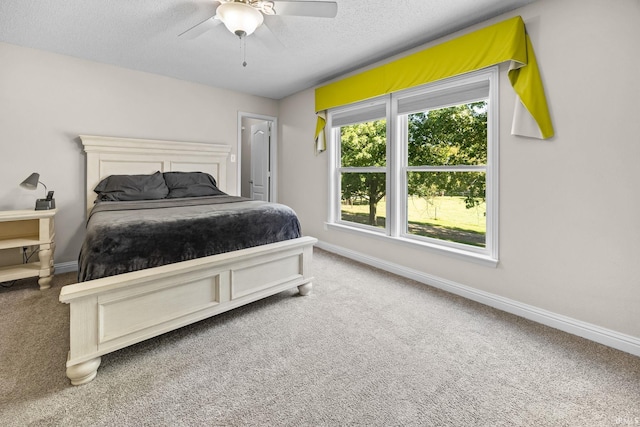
column 239, row 18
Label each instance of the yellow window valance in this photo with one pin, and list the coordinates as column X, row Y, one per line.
column 498, row 43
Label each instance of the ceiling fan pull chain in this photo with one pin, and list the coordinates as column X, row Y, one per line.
column 243, row 49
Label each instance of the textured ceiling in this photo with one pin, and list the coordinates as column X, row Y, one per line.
column 290, row 54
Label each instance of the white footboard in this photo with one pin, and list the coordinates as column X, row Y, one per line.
column 114, row 312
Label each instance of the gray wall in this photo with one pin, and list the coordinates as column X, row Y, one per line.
column 47, row 100
column 569, row 215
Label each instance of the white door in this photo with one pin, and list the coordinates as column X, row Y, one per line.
column 260, row 139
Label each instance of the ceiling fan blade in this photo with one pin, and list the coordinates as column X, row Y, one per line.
column 267, row 39
column 319, row 9
column 200, row 28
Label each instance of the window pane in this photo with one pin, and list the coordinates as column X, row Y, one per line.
column 363, row 198
column 448, row 136
column 448, row 206
column 364, row 144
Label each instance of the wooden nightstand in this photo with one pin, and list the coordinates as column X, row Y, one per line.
column 19, row 229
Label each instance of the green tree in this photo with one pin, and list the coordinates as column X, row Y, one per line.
column 449, row 136
column 364, row 145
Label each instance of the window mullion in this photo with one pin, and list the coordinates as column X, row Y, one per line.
column 492, row 169
column 392, row 162
column 400, row 189
column 452, row 168
column 367, row 169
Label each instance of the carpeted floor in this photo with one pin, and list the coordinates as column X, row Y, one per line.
column 366, row 348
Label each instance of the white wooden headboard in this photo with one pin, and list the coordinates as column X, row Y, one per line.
column 125, row 156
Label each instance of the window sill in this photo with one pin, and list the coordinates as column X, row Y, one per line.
column 462, row 254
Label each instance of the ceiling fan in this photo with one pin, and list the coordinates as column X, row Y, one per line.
column 243, row 17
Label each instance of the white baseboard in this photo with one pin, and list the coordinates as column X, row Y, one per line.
column 610, row 338
column 65, row 267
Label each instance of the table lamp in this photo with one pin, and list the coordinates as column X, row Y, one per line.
column 31, row 183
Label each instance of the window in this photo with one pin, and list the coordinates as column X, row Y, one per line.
column 420, row 166
column 362, row 134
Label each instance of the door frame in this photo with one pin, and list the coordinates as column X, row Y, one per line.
column 273, row 152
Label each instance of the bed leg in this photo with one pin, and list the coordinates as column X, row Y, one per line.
column 45, row 282
column 305, row 289
column 83, row 372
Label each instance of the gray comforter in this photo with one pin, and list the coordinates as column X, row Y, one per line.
column 129, row 236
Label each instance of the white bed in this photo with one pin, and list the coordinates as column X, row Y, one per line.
column 110, row 313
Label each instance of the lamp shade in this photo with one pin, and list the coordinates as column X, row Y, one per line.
column 31, row 182
column 239, row 18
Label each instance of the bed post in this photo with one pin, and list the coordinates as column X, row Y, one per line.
column 84, row 372
column 307, row 254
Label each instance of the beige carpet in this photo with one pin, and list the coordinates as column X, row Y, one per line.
column 366, row 348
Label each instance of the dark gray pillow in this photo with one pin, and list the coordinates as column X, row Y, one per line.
column 191, row 184
column 132, row 187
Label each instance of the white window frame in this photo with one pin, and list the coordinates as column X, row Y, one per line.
column 396, row 172
column 384, row 103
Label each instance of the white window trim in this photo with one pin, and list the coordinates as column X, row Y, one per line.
column 396, row 181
